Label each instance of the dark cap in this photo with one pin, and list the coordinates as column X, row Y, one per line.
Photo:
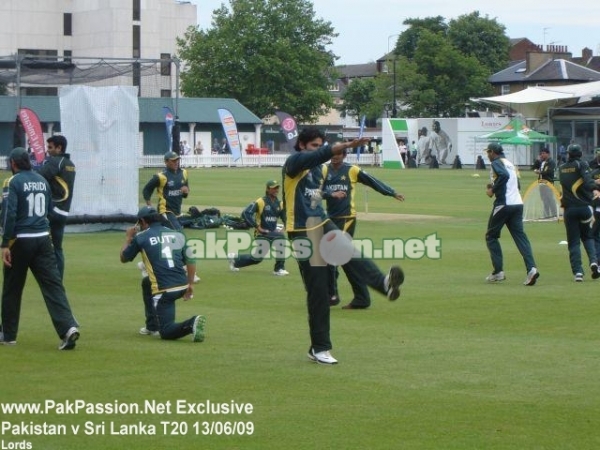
column 146, row 211
column 19, row 153
column 574, row 150
column 494, row 148
column 545, row 150
column 171, row 156
column 272, row 184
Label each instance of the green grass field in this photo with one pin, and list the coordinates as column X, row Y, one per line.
column 455, row 363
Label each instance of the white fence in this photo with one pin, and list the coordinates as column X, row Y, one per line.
column 191, row 161
column 271, row 160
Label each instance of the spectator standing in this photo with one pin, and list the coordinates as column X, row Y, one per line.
column 403, row 151
column 546, row 175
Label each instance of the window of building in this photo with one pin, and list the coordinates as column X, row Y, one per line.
column 137, row 76
column 136, row 10
column 37, row 52
column 68, row 24
column 584, row 136
column 505, row 89
column 165, row 93
column 334, row 87
column 165, row 67
column 67, row 56
column 136, row 53
column 41, row 91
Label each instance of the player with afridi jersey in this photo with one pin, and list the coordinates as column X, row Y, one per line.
column 339, row 191
column 171, row 186
column 26, row 245
column 262, row 215
column 306, row 222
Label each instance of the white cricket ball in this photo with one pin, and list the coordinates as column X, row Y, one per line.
column 336, row 247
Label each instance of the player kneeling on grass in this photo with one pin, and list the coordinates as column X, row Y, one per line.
column 164, row 255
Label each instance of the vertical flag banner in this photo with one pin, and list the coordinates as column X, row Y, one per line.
column 169, row 121
column 288, row 126
column 360, row 134
column 231, row 133
column 33, row 130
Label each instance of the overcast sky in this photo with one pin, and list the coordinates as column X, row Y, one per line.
column 367, row 27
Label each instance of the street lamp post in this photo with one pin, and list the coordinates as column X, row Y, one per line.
column 394, row 107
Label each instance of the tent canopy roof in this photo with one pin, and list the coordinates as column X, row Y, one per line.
column 534, row 101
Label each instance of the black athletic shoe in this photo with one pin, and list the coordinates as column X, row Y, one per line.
column 394, row 279
column 595, row 271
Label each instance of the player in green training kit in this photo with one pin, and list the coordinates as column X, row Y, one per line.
column 339, row 191
column 26, row 245
column 59, row 171
column 164, row 255
column 307, row 223
column 262, row 215
column 171, row 186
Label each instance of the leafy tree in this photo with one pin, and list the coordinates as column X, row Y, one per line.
column 409, row 39
column 358, row 99
column 483, row 38
column 439, row 79
column 442, row 66
column 267, row 54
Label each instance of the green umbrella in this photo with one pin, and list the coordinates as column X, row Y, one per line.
column 516, row 133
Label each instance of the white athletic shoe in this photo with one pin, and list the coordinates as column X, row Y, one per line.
column 493, row 277
column 578, row 277
column 532, row 277
column 146, row 332
column 2, row 341
column 321, row 357
column 196, row 278
column 68, row 342
column 142, row 267
column 281, row 273
column 231, row 257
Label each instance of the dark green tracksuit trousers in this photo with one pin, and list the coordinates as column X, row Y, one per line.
column 37, row 254
column 316, row 277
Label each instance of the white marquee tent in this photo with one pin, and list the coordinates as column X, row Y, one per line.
column 534, row 102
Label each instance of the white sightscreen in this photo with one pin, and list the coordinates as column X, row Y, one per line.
column 101, row 125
